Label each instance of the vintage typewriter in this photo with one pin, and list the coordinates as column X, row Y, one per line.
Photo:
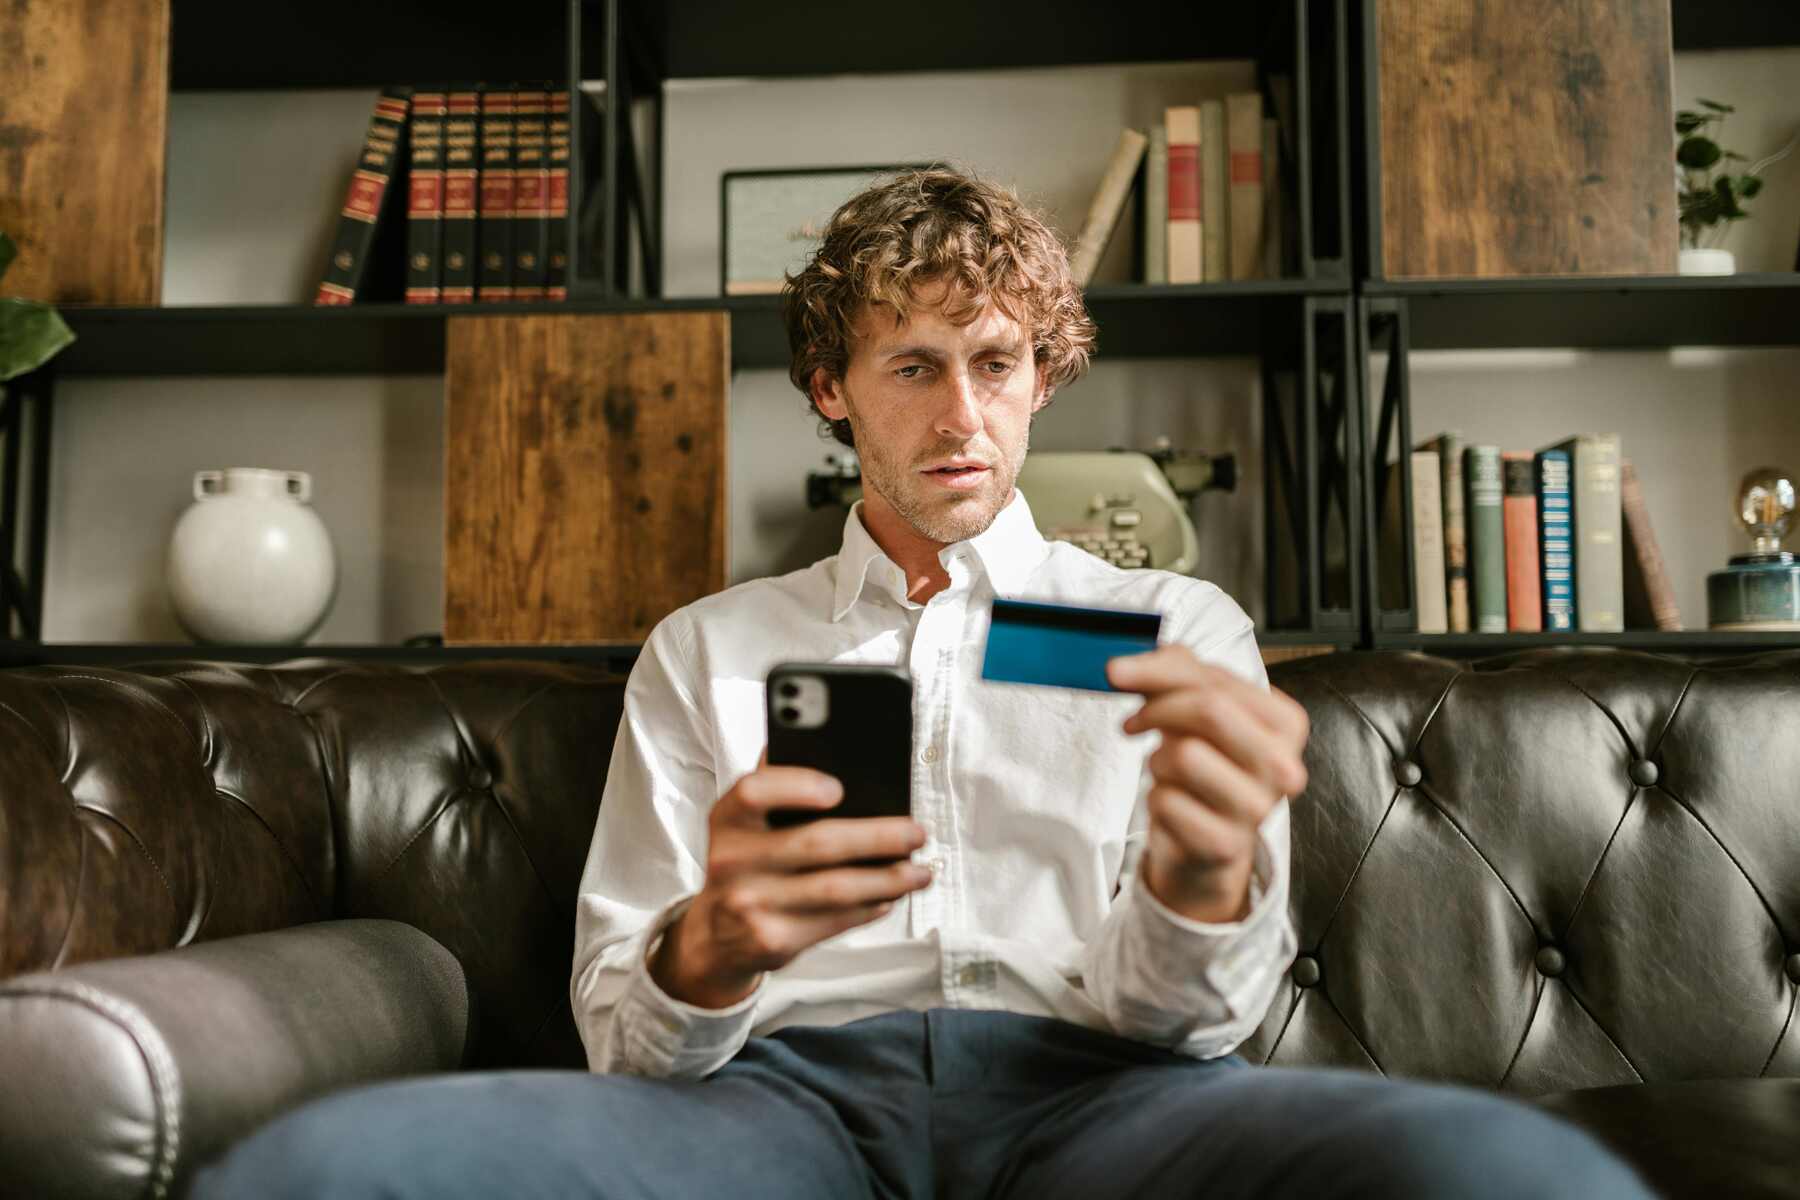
column 1129, row 507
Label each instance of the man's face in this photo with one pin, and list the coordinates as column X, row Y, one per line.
column 921, row 395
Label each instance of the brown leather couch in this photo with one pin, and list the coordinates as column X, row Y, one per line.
column 1571, row 874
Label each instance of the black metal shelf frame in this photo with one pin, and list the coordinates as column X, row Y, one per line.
column 1325, row 465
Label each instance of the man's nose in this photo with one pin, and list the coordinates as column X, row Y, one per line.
column 960, row 415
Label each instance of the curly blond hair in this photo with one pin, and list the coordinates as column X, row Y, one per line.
column 922, row 226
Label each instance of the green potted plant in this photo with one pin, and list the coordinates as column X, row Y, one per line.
column 1711, row 188
column 31, row 332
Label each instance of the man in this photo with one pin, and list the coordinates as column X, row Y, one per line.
column 1089, row 911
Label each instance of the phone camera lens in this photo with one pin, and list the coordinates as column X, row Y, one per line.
column 789, row 690
column 789, row 713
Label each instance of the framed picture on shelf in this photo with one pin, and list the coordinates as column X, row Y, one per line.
column 771, row 220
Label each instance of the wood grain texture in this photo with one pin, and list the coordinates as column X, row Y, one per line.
column 1274, row 654
column 585, row 473
column 1533, row 137
column 84, row 105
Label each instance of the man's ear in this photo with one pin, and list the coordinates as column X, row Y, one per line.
column 828, row 395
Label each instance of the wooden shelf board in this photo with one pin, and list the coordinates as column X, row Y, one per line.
column 1135, row 320
column 1687, row 641
column 1599, row 312
column 350, row 43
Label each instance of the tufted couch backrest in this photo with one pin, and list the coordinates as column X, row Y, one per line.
column 1554, row 869
column 176, row 802
column 1559, row 869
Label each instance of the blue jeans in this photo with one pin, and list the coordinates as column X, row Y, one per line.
column 913, row 1105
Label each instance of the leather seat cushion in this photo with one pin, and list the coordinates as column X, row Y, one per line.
column 1704, row 1138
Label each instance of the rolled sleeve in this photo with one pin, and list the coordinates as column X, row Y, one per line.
column 1196, row 987
column 655, row 1034
column 649, row 846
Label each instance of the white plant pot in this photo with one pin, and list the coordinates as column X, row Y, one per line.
column 249, row 561
column 1706, row 262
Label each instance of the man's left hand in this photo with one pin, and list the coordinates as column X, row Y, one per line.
column 1229, row 752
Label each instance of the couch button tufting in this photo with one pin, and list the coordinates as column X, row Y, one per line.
column 1549, row 961
column 1408, row 773
column 1306, row 970
column 1644, row 772
column 480, row 778
column 1793, row 967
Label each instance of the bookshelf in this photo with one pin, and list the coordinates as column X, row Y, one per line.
column 1311, row 332
column 1397, row 317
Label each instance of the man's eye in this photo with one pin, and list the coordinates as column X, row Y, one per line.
column 902, row 372
column 1002, row 364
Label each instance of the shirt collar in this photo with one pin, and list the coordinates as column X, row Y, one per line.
column 1009, row 550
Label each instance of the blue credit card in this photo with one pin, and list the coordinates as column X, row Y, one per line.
column 1062, row 645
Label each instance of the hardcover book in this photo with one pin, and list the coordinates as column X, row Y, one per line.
column 425, row 198
column 531, row 188
column 1109, row 201
column 1156, row 206
column 1456, row 547
column 556, row 215
column 367, row 204
column 1556, row 539
column 1649, row 597
column 462, row 174
column 1428, row 544
column 1596, row 517
column 1486, row 537
column 1215, row 162
column 1183, row 124
column 1244, row 220
column 493, row 273
column 1524, row 581
column 1272, row 265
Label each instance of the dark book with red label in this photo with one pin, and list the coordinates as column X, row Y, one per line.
column 493, row 275
column 368, row 201
column 425, row 198
column 462, row 171
column 556, row 209
column 531, row 186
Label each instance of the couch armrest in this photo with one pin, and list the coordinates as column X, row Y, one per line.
column 125, row 1075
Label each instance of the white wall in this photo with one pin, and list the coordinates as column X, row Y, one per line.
column 255, row 180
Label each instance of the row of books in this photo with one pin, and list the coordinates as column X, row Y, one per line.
column 1210, row 187
column 1558, row 539
column 485, row 173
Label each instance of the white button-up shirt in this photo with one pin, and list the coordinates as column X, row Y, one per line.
column 1032, row 799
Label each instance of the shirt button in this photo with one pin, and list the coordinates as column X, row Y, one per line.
column 936, row 864
column 930, row 755
column 970, row 975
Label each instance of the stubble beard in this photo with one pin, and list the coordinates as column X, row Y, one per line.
column 939, row 515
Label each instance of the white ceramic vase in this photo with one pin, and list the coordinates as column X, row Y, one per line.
column 249, row 561
column 1706, row 262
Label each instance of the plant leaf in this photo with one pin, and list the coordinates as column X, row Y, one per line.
column 8, row 252
column 1748, row 185
column 1717, row 107
column 1687, row 122
column 1697, row 153
column 31, row 333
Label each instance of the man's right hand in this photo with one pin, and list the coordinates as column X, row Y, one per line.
column 771, row 893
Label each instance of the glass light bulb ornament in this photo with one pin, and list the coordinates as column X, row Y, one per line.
column 250, row 562
column 1759, row 590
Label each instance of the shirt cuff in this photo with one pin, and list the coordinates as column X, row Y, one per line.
column 669, row 1038
column 1234, row 956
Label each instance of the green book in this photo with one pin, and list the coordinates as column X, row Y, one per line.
column 1483, row 509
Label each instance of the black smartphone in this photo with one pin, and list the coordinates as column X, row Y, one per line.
column 850, row 721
